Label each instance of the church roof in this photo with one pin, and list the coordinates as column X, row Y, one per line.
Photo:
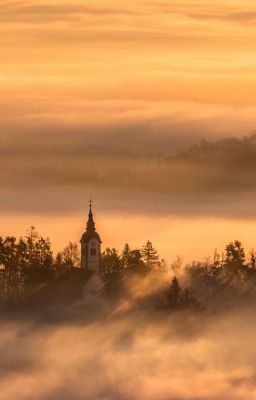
column 88, row 236
column 90, row 232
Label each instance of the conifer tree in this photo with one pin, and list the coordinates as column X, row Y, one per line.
column 135, row 261
column 174, row 293
column 126, row 256
column 150, row 255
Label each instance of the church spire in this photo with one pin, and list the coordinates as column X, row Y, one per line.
column 90, row 245
column 90, row 223
column 90, row 206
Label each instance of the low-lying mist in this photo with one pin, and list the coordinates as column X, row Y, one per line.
column 127, row 349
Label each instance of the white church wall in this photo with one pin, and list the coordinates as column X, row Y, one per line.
column 93, row 259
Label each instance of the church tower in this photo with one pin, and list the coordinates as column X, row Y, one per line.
column 90, row 246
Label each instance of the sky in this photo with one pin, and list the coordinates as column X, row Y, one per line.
column 96, row 98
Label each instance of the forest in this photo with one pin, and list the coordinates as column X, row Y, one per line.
column 225, row 280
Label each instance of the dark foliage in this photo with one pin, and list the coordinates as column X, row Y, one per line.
column 225, row 281
column 27, row 264
column 23, row 262
column 179, row 298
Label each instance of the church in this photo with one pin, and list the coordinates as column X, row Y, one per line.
column 90, row 246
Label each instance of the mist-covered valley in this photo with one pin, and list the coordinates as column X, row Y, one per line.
column 78, row 338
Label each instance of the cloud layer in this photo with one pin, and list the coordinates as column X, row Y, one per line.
column 203, row 179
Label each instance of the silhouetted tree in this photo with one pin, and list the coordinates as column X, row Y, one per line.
column 176, row 265
column 235, row 252
column 252, row 259
column 126, row 256
column 150, row 255
column 9, row 269
column 131, row 259
column 59, row 265
column 217, row 262
column 174, row 293
column 110, row 262
column 181, row 298
column 235, row 257
column 71, row 256
column 163, row 267
column 37, row 257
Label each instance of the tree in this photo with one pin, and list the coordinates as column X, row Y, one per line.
column 235, row 257
column 150, row 255
column 253, row 259
column 174, row 293
column 126, row 256
column 2, row 284
column 71, row 256
column 216, row 259
column 31, row 240
column 59, row 265
column 131, row 259
column 44, row 253
column 235, row 252
column 110, row 262
column 176, row 265
column 36, row 257
column 9, row 269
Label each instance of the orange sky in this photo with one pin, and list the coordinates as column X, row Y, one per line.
column 84, row 70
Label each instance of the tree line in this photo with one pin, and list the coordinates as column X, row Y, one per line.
column 137, row 260
column 29, row 261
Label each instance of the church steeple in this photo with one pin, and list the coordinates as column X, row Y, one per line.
column 90, row 245
column 90, row 228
